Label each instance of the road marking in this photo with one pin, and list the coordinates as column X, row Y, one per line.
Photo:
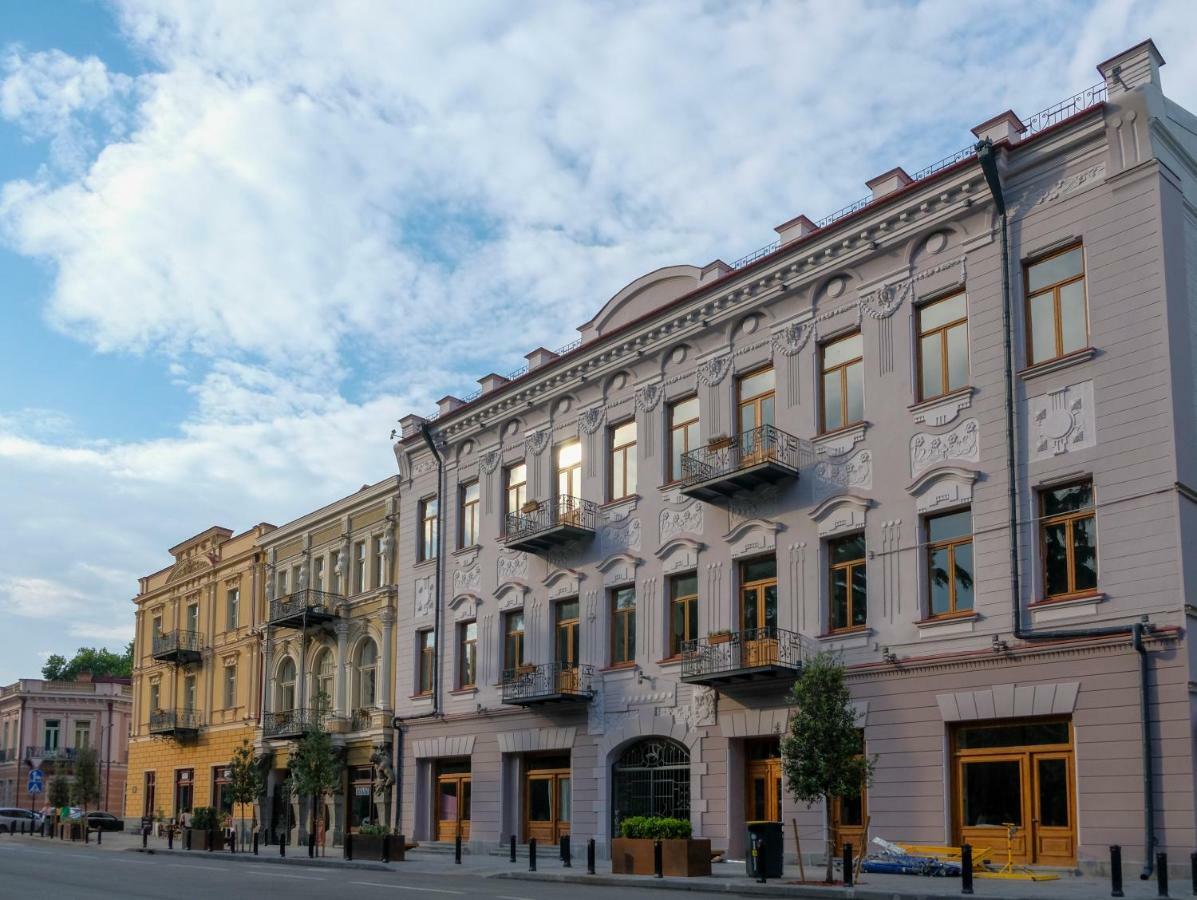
column 194, row 866
column 505, row 897
column 409, row 887
column 281, row 875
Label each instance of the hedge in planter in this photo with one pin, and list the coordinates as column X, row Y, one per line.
column 372, row 840
column 681, row 855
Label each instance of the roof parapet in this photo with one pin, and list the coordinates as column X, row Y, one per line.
column 539, row 357
column 1002, row 127
column 798, row 227
column 713, row 271
column 1132, row 67
column 448, row 403
column 410, row 424
column 492, row 382
column 888, row 182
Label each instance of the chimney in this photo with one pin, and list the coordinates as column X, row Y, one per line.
column 539, row 357
column 448, row 403
column 713, row 271
column 1002, row 127
column 1131, row 68
column 797, row 227
column 491, row 382
column 888, row 182
column 410, row 424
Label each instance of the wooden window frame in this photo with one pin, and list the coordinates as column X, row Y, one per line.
column 232, row 608
column 361, row 566
column 559, row 470
column 677, row 429
column 685, row 601
column 469, row 509
column 560, row 624
column 849, row 567
column 425, row 662
column 949, row 544
column 1054, row 289
column 378, row 573
column 427, row 536
column 510, row 665
column 623, row 620
column 229, row 695
column 942, row 331
column 755, row 399
column 520, row 488
column 1068, row 520
column 842, row 369
column 616, row 492
column 465, row 646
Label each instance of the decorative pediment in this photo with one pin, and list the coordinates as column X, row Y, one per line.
column 753, row 536
column 679, row 554
column 562, row 583
column 465, row 606
column 187, row 568
column 619, row 568
column 943, row 487
column 511, row 594
column 839, row 514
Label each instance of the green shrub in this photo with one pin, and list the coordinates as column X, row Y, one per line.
column 204, row 818
column 374, row 830
column 655, row 828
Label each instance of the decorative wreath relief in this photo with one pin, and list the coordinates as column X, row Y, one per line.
column 790, row 340
column 537, row 441
column 589, row 420
column 490, row 461
column 648, row 396
column 714, row 370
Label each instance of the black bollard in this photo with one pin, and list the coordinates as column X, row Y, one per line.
column 966, row 869
column 847, row 865
column 312, row 845
column 213, row 837
column 256, row 844
column 282, row 845
column 170, row 839
column 348, row 845
column 1116, row 871
column 187, row 839
column 1193, row 871
column 386, row 849
column 590, row 857
column 531, row 854
column 1161, row 874
column 145, row 838
column 565, row 852
column 232, row 839
column 756, row 859
column 22, row 828
column 457, row 850
column 513, row 848
column 99, row 835
column 658, row 860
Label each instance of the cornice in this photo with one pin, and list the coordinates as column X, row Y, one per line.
column 333, row 512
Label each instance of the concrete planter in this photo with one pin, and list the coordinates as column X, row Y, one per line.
column 201, row 840
column 370, row 847
column 684, row 858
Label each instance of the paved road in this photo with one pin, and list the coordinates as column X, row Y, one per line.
column 73, row 871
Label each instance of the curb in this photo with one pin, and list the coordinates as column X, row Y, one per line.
column 301, row 862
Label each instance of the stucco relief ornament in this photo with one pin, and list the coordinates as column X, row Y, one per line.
column 680, row 521
column 926, row 450
column 791, row 339
column 884, row 302
column 511, row 567
column 467, row 578
column 714, row 370
column 590, row 420
column 648, row 396
column 424, row 597
column 622, row 534
column 537, row 441
column 490, row 461
column 702, row 702
column 856, row 471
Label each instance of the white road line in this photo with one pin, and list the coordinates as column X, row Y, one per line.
column 505, row 897
column 409, row 887
column 194, row 866
column 282, row 875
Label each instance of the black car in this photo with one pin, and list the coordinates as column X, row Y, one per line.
column 102, row 821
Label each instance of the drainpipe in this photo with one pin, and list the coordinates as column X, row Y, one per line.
column 987, row 157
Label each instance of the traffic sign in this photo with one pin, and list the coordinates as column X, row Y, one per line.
column 37, row 781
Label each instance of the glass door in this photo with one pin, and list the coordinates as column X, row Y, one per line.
column 452, row 800
column 993, row 800
column 755, row 410
column 1054, row 840
column 758, row 612
column 762, row 789
column 547, row 793
column 568, row 626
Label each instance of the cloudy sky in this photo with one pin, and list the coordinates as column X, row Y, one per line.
column 239, row 239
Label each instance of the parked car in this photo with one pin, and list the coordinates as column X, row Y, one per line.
column 104, row 821
column 11, row 818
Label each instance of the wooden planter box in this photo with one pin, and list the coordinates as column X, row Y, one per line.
column 719, row 637
column 684, row 858
column 369, row 846
column 201, row 839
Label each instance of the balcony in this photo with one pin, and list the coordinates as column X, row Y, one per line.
column 182, row 724
column 179, row 647
column 49, row 754
column 364, row 717
column 547, row 525
column 758, row 654
column 723, row 468
column 549, row 683
column 292, row 723
column 8, row 754
column 303, row 609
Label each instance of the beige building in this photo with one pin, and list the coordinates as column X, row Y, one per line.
column 329, row 653
column 196, row 673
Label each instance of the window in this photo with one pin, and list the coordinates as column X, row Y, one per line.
column 323, row 684
column 230, row 685
column 280, row 589
column 50, row 734
column 359, row 567
column 427, row 645
column 232, row 607
column 683, row 611
column 943, row 346
column 189, row 693
column 155, row 696
column 468, row 527
column 367, row 673
column 428, row 530
column 683, row 433
column 193, row 617
column 567, row 628
column 156, row 627
column 623, row 460
column 516, row 480
column 222, row 789
column 849, row 587
column 1068, row 540
column 318, row 573
column 467, row 654
column 334, row 571
column 569, row 469
column 843, row 382
column 82, row 735
column 623, row 626
column 297, row 581
column 184, row 791
column 756, row 403
column 285, row 691
column 1057, row 322
column 950, row 563
column 513, row 642
column 376, row 556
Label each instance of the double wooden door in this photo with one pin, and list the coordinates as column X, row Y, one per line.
column 452, row 805
column 763, row 793
column 758, row 612
column 847, row 822
column 548, row 797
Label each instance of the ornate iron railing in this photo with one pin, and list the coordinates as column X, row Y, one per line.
column 547, row 680
column 292, row 722
column 363, row 718
column 303, row 601
column 7, row 754
column 1069, row 106
column 753, row 648
column 182, row 640
column 549, row 514
column 749, row 448
column 48, row 754
column 165, row 720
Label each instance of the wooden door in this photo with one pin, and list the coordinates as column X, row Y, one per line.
column 1054, row 837
column 763, row 793
column 548, row 797
column 758, row 605
column 993, row 794
column 567, row 651
column 452, row 806
column 755, row 410
column 847, row 822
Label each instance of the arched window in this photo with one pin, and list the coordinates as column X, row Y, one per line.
column 651, row 777
column 322, row 696
column 367, row 669
column 285, row 686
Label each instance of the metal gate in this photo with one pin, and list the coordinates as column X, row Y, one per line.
column 651, row 778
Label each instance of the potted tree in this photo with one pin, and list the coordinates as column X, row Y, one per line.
column 202, row 831
column 59, row 797
column 378, row 842
column 681, row 855
column 315, row 773
column 246, row 784
column 85, row 789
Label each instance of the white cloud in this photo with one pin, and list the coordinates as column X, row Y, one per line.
column 40, row 598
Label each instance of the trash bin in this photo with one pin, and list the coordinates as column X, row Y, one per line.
column 769, row 837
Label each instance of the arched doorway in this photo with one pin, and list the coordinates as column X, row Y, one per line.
column 651, row 777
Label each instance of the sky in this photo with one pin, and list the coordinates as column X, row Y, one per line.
column 239, row 238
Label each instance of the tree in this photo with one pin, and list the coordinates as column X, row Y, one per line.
column 315, row 771
column 60, row 792
column 85, row 790
column 89, row 659
column 245, row 780
column 821, row 754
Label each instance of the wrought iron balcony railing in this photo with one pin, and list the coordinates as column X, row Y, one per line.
column 549, row 523
column 293, row 722
column 49, row 754
column 303, row 607
column 181, row 645
column 722, row 467
column 745, row 655
column 363, row 718
column 547, row 683
column 174, row 721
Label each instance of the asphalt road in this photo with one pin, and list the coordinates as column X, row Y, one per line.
column 73, row 871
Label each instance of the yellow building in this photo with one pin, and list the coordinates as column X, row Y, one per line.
column 197, row 672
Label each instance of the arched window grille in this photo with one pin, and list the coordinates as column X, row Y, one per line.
column 651, row 778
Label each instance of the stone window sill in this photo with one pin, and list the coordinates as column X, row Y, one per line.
column 1058, row 364
column 942, row 409
column 840, row 441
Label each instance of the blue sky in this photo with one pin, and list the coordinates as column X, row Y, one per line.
column 240, row 238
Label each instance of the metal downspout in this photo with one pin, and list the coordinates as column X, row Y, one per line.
column 1148, row 762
